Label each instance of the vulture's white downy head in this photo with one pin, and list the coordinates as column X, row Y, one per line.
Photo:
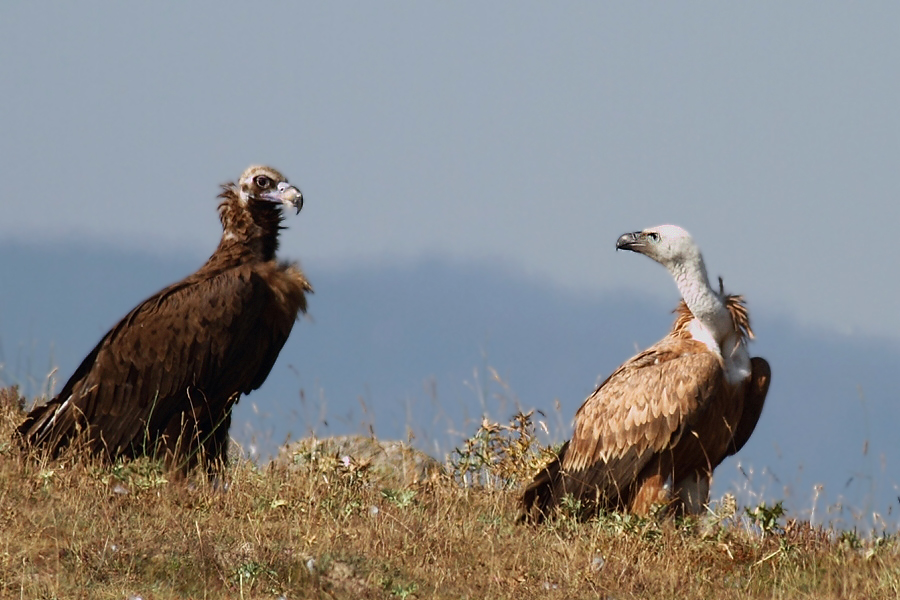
column 264, row 184
column 672, row 247
column 669, row 245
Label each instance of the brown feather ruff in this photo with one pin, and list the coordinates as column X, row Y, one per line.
column 251, row 229
column 165, row 378
column 740, row 317
column 630, row 450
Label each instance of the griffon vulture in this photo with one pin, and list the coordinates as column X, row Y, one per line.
column 655, row 430
column 164, row 380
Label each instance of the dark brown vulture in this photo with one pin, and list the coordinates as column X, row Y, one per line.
column 655, row 430
column 164, row 380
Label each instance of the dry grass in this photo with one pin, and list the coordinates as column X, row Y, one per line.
column 72, row 528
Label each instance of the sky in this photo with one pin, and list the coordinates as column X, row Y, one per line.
column 522, row 134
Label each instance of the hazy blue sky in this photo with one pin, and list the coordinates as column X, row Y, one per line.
column 522, row 133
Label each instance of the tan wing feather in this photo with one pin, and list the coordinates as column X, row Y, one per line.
column 644, row 407
column 644, row 403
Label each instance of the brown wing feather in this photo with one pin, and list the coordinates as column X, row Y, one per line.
column 193, row 347
column 754, row 399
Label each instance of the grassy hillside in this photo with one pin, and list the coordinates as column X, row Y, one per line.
column 321, row 526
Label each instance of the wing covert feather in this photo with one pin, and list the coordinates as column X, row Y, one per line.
column 644, row 404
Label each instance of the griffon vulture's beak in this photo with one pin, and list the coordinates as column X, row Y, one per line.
column 631, row 241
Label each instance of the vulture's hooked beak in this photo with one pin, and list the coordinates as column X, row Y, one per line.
column 286, row 194
column 630, row 241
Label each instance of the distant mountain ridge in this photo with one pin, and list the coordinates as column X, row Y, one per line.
column 400, row 349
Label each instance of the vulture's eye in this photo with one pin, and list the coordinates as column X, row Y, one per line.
column 262, row 181
column 654, row 237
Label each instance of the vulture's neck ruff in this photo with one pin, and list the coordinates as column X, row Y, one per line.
column 251, row 212
column 252, row 227
column 712, row 323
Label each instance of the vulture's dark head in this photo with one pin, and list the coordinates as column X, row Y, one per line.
column 251, row 210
